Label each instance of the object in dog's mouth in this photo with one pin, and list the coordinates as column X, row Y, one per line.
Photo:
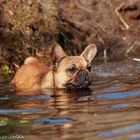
column 81, row 80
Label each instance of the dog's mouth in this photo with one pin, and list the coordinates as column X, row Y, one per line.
column 81, row 80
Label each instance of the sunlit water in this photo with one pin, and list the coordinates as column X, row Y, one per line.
column 110, row 110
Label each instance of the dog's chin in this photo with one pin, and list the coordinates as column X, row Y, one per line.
column 81, row 80
column 71, row 86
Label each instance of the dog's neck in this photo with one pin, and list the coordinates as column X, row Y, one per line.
column 50, row 76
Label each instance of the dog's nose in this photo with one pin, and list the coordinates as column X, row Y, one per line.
column 85, row 73
column 82, row 79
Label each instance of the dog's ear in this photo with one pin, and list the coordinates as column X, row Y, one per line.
column 89, row 52
column 57, row 53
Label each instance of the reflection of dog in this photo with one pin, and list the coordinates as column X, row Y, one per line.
column 67, row 71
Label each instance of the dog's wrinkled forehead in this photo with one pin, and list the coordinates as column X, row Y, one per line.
column 78, row 61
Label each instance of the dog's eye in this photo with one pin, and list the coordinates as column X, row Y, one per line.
column 72, row 70
column 89, row 67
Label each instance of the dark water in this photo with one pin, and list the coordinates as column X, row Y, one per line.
column 109, row 111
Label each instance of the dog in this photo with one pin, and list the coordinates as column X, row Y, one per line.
column 66, row 71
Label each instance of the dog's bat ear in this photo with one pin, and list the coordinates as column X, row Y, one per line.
column 89, row 52
column 57, row 53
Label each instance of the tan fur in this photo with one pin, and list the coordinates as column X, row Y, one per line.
column 30, row 60
column 36, row 75
column 29, row 75
column 61, row 76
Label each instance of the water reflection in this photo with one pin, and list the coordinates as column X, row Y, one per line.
column 109, row 110
column 120, row 130
column 119, row 95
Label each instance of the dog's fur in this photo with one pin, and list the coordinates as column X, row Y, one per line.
column 66, row 72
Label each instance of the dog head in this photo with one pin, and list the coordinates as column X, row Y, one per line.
column 73, row 71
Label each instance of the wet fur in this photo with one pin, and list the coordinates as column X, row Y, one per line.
column 36, row 75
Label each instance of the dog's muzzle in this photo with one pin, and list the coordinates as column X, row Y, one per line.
column 82, row 79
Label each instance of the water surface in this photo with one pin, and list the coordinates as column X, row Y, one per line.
column 110, row 110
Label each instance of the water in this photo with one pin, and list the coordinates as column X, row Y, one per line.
column 110, row 110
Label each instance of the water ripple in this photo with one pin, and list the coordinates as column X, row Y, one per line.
column 120, row 130
column 118, row 94
column 53, row 120
column 9, row 111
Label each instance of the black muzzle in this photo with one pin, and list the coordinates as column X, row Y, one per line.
column 82, row 79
